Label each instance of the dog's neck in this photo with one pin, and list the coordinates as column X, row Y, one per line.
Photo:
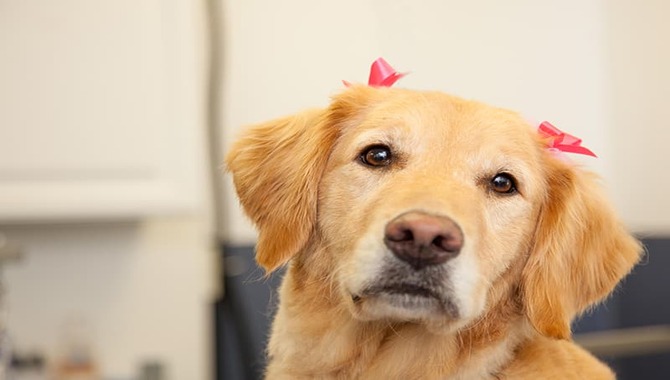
column 314, row 336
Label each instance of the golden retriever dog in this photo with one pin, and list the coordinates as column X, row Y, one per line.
column 426, row 237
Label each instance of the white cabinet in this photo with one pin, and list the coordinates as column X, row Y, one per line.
column 102, row 108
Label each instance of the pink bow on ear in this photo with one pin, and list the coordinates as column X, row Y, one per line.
column 562, row 141
column 381, row 74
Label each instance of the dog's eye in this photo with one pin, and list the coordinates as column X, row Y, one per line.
column 376, row 155
column 503, row 183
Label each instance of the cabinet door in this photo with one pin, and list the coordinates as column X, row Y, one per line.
column 101, row 108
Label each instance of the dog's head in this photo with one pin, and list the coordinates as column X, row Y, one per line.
column 415, row 205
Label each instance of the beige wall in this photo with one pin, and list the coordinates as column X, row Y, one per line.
column 547, row 59
column 638, row 91
column 597, row 69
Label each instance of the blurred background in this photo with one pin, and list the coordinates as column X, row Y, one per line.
column 123, row 250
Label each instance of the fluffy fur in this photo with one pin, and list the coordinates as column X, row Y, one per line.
column 530, row 262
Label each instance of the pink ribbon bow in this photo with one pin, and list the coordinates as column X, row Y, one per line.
column 381, row 74
column 562, row 141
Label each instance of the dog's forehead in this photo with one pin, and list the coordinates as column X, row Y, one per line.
column 439, row 117
column 440, row 111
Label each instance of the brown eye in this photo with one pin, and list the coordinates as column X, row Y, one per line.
column 503, row 183
column 376, row 156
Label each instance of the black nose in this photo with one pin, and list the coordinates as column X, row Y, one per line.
column 422, row 239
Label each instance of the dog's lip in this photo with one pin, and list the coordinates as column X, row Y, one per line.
column 420, row 300
column 399, row 289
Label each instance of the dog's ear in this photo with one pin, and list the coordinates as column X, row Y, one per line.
column 580, row 252
column 276, row 169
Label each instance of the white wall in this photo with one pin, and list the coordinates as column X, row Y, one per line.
column 547, row 59
column 142, row 290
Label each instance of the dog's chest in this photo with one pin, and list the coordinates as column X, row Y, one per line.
column 436, row 357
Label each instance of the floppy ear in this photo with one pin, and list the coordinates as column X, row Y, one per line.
column 581, row 251
column 276, row 168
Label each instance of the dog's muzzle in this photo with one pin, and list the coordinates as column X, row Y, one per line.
column 413, row 282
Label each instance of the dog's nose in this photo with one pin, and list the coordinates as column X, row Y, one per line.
column 421, row 239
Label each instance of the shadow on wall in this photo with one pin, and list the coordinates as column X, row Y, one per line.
column 641, row 305
column 243, row 317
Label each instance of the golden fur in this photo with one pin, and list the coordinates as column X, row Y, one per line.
column 530, row 263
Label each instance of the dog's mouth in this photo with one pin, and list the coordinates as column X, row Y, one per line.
column 405, row 301
column 401, row 293
column 401, row 289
